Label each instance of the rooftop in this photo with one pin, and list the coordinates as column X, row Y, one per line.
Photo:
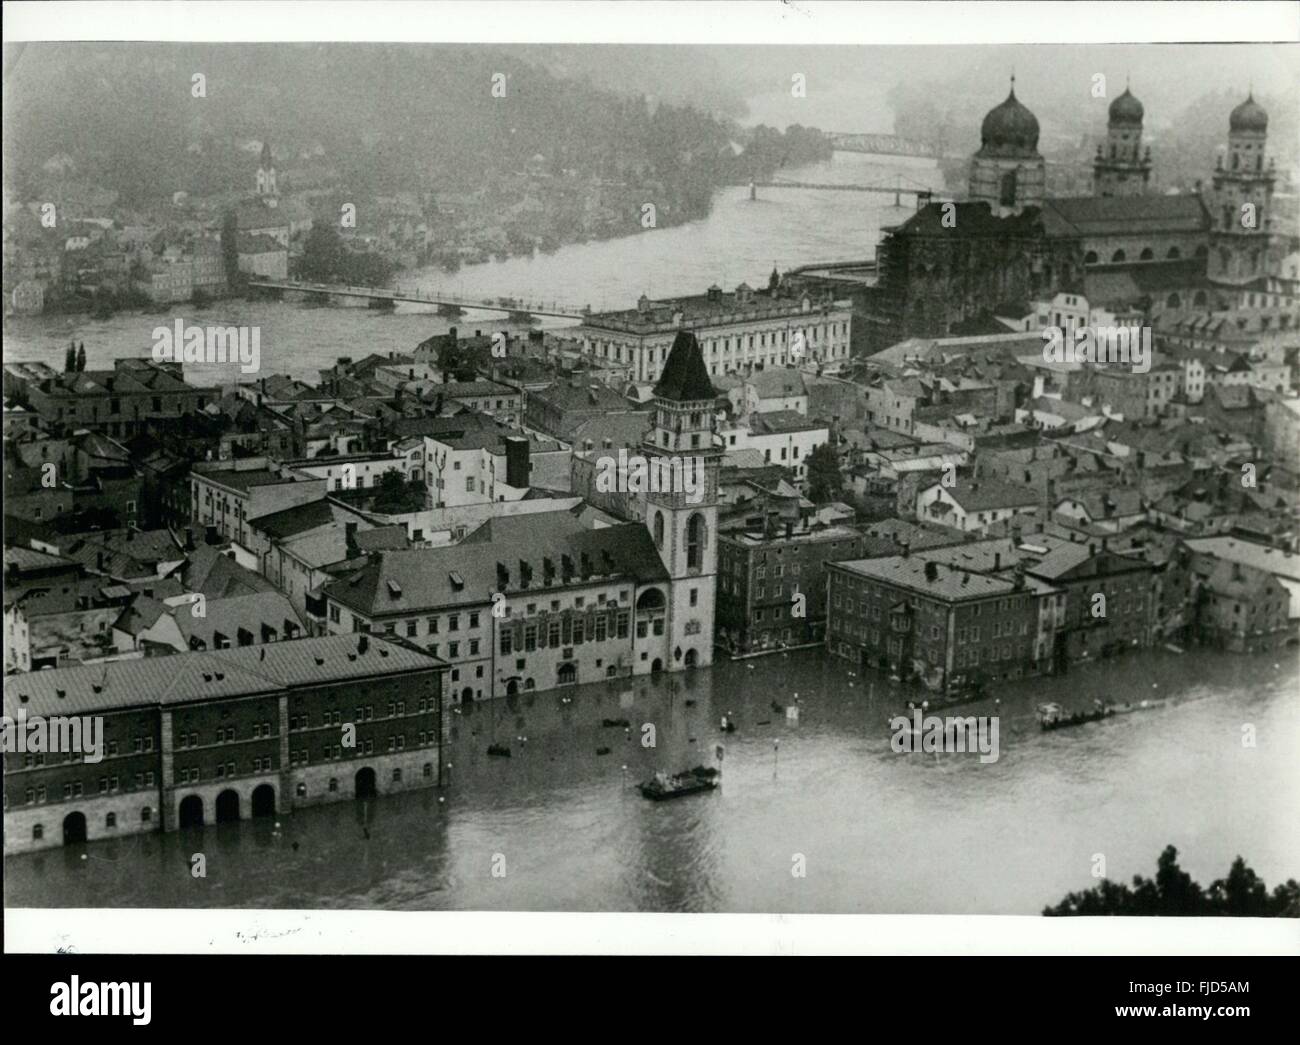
column 210, row 674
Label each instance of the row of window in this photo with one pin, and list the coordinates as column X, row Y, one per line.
column 334, row 752
column 224, row 735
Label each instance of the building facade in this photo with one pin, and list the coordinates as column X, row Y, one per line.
column 222, row 735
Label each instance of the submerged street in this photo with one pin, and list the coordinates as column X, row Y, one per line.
column 564, row 828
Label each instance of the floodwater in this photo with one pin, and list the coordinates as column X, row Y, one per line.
column 874, row 831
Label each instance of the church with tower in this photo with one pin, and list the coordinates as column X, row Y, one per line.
column 1124, row 247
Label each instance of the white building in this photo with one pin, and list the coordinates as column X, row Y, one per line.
column 736, row 331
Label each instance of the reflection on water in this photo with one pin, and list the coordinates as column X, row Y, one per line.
column 879, row 832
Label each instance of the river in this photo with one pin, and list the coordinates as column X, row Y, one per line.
column 741, row 240
column 879, row 832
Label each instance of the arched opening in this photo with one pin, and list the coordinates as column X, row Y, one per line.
column 467, row 695
column 364, row 783
column 1200, row 298
column 1173, row 254
column 264, row 800
column 1090, row 258
column 74, row 828
column 191, row 811
column 227, row 806
column 1202, row 251
column 1147, row 254
column 1173, row 301
column 692, row 658
column 650, row 599
column 656, row 666
column 512, row 687
column 568, row 674
column 695, row 541
column 529, row 684
column 1117, row 257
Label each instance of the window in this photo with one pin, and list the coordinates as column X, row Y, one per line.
column 695, row 541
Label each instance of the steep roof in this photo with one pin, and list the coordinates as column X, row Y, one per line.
column 685, row 377
column 425, row 579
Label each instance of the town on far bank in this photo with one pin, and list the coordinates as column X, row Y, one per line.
column 875, row 457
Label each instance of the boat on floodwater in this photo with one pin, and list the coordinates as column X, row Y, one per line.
column 661, row 786
column 1051, row 716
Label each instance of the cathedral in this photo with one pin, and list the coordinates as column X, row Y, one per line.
column 1123, row 247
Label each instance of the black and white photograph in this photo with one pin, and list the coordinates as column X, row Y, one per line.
column 650, row 459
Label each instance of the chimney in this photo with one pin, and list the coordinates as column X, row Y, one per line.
column 517, row 461
column 905, row 545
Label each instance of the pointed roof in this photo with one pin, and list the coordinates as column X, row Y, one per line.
column 685, row 377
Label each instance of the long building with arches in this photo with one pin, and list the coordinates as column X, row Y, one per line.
column 221, row 735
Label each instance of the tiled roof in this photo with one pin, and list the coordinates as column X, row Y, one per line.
column 1129, row 215
column 463, row 575
column 991, row 493
column 949, row 582
column 1260, row 556
column 303, row 517
column 187, row 677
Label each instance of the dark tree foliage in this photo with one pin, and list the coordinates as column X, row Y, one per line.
column 327, row 259
column 824, row 479
column 395, row 496
column 1172, row 892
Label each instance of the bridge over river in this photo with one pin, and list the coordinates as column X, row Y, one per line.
column 881, row 145
column 514, row 306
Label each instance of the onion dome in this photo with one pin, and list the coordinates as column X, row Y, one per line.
column 1126, row 110
column 1249, row 116
column 1010, row 127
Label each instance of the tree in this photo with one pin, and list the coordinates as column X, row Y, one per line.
column 824, row 479
column 395, row 496
column 81, row 357
column 1172, row 892
column 70, row 359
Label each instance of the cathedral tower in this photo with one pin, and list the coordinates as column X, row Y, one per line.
column 681, row 508
column 1241, row 200
column 1007, row 172
column 1122, row 167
